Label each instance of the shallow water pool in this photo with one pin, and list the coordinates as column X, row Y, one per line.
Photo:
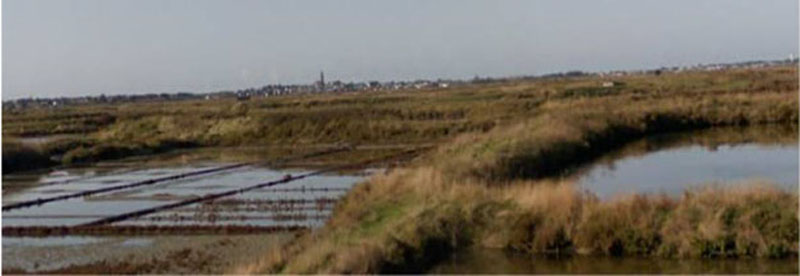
column 673, row 163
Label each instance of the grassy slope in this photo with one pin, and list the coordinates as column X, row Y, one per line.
column 410, row 219
column 474, row 191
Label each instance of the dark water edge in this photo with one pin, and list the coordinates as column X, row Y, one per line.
column 662, row 164
column 674, row 162
column 496, row 261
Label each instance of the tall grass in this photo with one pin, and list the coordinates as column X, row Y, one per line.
column 575, row 131
column 404, row 222
column 400, row 117
column 481, row 186
column 484, row 189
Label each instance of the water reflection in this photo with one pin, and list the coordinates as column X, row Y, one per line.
column 672, row 163
column 304, row 202
column 495, row 261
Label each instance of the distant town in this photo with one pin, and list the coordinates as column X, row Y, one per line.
column 321, row 86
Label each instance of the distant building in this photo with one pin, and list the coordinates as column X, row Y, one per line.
column 321, row 83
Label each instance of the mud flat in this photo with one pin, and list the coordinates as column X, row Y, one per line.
column 207, row 254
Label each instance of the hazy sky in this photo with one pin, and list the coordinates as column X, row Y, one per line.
column 83, row 47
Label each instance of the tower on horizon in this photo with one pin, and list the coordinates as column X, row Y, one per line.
column 321, row 81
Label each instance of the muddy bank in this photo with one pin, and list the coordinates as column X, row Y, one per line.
column 145, row 230
column 205, row 254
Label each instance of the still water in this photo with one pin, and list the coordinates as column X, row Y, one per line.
column 673, row 163
column 495, row 261
column 666, row 164
column 305, row 202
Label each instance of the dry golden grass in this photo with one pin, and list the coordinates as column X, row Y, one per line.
column 571, row 131
column 404, row 221
column 407, row 117
column 483, row 189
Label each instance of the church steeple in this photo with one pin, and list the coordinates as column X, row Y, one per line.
column 322, row 81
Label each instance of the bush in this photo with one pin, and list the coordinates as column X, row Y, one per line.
column 19, row 157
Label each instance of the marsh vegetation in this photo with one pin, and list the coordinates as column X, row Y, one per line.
column 492, row 178
column 490, row 189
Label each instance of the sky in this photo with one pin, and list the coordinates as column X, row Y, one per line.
column 55, row 48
